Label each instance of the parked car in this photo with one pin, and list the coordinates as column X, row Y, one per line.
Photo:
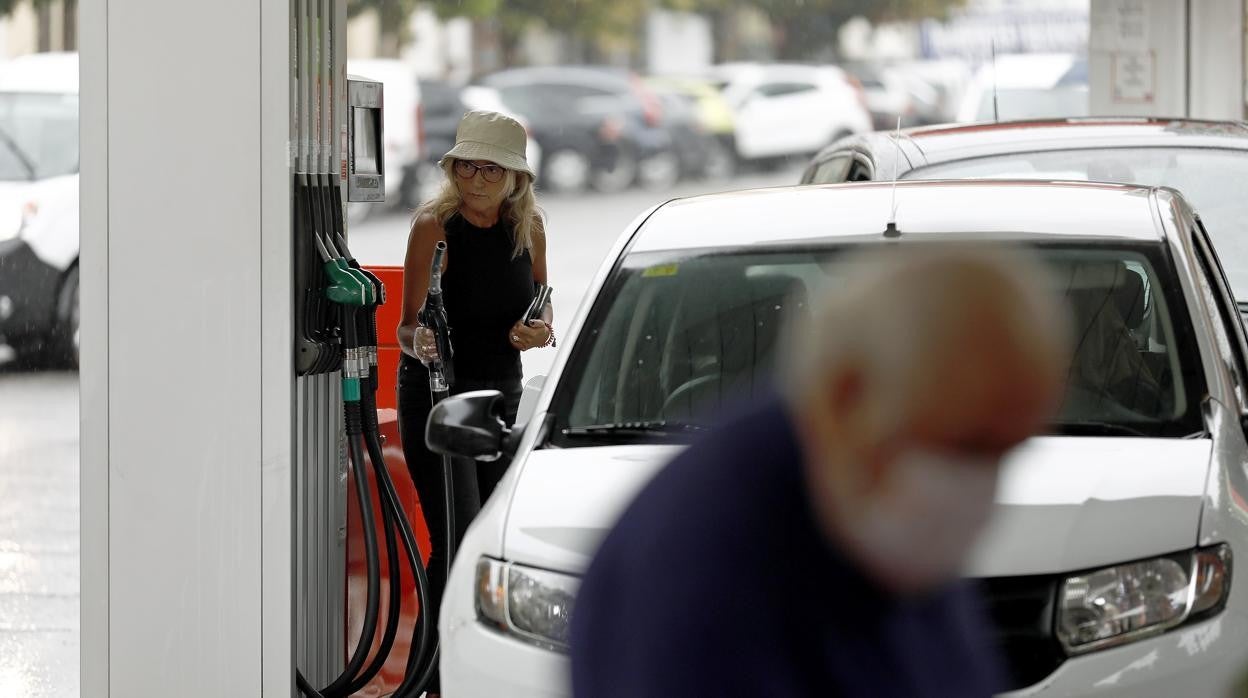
column 39, row 207
column 403, row 128
column 782, row 110
column 598, row 126
column 716, row 149
column 444, row 105
column 893, row 93
column 1206, row 160
column 1107, row 563
column 1027, row 86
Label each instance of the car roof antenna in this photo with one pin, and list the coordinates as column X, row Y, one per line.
column 890, row 230
column 996, row 111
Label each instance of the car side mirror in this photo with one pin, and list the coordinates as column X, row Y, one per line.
column 469, row 425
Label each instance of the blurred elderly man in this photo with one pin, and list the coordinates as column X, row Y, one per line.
column 812, row 546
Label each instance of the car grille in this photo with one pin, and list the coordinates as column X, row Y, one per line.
column 1022, row 612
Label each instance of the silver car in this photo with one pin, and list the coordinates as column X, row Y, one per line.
column 1107, row 567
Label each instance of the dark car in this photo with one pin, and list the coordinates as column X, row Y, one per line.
column 598, row 126
column 1206, row 160
column 443, row 108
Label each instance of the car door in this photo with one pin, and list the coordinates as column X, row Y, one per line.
column 776, row 119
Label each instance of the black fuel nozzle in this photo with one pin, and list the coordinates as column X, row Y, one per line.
column 433, row 316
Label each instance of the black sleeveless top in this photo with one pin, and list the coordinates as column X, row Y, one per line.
column 486, row 290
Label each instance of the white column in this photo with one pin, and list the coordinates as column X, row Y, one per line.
column 1217, row 59
column 1137, row 58
column 186, row 379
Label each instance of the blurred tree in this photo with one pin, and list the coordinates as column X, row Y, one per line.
column 804, row 29
column 392, row 16
column 588, row 25
column 7, row 6
column 808, row 28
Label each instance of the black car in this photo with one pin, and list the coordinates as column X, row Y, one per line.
column 597, row 126
column 1206, row 160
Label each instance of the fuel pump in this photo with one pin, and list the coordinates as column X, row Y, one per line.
column 336, row 360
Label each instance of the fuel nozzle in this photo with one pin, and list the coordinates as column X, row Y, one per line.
column 433, row 316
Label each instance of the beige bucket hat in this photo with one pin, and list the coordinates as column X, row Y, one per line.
column 488, row 135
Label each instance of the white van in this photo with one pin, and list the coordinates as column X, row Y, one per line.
column 39, row 206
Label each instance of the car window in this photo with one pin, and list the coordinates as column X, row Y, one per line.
column 440, row 101
column 1210, row 179
column 38, row 135
column 859, row 171
column 832, row 170
column 1230, row 332
column 782, row 89
column 679, row 338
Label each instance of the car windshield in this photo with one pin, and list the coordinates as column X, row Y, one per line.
column 1210, row 179
column 38, row 135
column 673, row 339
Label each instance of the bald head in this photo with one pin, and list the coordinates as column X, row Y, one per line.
column 912, row 379
column 933, row 334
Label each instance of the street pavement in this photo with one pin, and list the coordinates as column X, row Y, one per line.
column 39, row 554
column 38, row 534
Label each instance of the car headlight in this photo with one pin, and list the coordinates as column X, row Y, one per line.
column 12, row 226
column 533, row 604
column 1120, row 604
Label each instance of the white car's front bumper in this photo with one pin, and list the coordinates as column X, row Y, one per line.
column 478, row 662
column 1200, row 660
column 481, row 662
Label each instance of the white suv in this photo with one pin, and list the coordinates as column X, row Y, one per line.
column 1108, row 565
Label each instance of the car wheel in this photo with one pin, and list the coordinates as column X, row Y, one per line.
column 30, row 352
column 68, row 334
column 660, row 171
column 618, row 177
column 566, row 171
column 721, row 163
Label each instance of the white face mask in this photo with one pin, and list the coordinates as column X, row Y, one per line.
column 916, row 532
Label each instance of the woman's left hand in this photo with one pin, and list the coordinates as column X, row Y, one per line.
column 532, row 336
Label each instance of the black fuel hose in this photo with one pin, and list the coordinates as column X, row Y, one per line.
column 417, row 677
column 355, row 431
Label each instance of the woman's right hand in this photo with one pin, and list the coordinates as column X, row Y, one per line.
column 425, row 344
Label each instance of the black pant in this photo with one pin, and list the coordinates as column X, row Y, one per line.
column 472, row 482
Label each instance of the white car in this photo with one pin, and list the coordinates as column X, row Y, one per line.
column 1107, row 564
column 39, row 206
column 1027, row 86
column 784, row 109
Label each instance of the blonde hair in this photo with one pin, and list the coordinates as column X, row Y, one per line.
column 519, row 207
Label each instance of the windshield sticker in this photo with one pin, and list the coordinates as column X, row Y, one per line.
column 661, row 270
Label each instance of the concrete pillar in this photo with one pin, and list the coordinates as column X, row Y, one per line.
column 187, row 379
column 1182, row 58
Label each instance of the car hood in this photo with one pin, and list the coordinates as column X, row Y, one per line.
column 1063, row 503
column 1068, row 503
column 567, row 499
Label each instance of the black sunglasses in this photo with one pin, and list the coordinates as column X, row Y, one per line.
column 492, row 173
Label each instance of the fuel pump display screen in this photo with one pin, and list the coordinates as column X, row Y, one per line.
column 366, row 170
column 365, row 137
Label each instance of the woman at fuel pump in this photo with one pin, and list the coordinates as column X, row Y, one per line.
column 487, row 215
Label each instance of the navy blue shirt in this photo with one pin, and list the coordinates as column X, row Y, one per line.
column 717, row 582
